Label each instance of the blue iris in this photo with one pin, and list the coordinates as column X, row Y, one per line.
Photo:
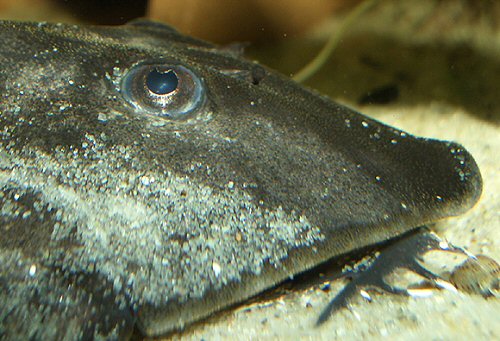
column 162, row 83
column 169, row 90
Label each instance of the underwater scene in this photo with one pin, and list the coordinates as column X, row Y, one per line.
column 251, row 170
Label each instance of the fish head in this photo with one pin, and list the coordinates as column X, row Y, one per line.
column 182, row 178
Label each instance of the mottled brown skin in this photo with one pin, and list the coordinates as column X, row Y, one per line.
column 113, row 216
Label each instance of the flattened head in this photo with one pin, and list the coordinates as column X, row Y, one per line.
column 160, row 178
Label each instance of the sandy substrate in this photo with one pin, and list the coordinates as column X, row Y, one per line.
column 448, row 86
column 445, row 315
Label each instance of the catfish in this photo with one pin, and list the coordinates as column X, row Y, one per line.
column 149, row 179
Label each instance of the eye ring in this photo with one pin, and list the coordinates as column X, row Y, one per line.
column 167, row 90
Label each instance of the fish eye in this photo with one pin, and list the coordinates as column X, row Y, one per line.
column 162, row 83
column 166, row 90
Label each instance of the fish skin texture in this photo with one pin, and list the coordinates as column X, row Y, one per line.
column 113, row 216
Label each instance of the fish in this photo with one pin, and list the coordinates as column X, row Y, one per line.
column 149, row 179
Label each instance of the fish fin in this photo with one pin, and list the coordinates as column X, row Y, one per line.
column 402, row 253
column 152, row 25
column 166, row 32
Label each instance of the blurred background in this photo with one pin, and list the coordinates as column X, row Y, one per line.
column 406, row 52
column 220, row 21
column 431, row 67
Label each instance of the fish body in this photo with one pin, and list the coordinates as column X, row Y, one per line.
column 148, row 178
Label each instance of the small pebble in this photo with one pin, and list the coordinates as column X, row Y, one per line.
column 479, row 275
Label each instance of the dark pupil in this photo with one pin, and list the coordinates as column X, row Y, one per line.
column 162, row 83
